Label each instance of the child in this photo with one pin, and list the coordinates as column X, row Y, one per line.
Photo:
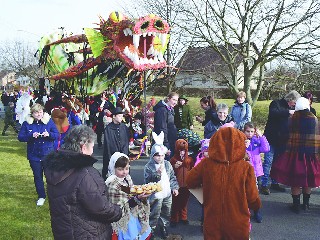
column 204, row 151
column 134, row 223
column 241, row 111
column 157, row 169
column 181, row 164
column 137, row 130
column 203, row 154
column 256, row 143
column 9, row 119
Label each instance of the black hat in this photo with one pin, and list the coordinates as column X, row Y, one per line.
column 117, row 110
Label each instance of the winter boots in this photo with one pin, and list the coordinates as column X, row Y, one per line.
column 305, row 204
column 296, row 204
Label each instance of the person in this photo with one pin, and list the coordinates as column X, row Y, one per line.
column 116, row 139
column 159, row 170
column 164, row 121
column 137, row 130
column 183, row 117
column 181, row 163
column 308, row 95
column 40, row 132
column 241, row 111
column 78, row 202
column 219, row 119
column 229, row 186
column 203, row 151
column 9, row 119
column 209, row 105
column 298, row 165
column 256, row 144
column 22, row 107
column 134, row 223
column 276, row 132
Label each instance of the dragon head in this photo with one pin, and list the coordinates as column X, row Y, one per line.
column 139, row 43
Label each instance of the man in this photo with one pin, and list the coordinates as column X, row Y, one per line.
column 116, row 139
column 276, row 132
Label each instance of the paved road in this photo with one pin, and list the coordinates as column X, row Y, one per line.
column 279, row 223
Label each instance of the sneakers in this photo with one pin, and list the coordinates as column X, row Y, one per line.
column 41, row 201
column 258, row 216
column 277, row 187
column 185, row 222
column 264, row 190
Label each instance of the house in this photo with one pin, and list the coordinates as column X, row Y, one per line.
column 203, row 67
column 7, row 80
column 24, row 81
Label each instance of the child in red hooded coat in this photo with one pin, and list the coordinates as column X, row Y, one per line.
column 181, row 164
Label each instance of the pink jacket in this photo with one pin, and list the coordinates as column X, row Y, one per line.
column 257, row 145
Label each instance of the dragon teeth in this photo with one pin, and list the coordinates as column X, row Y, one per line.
column 135, row 40
column 163, row 38
column 150, row 51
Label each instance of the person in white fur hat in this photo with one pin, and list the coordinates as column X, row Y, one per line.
column 299, row 165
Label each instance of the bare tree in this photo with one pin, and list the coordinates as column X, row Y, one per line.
column 279, row 28
column 20, row 58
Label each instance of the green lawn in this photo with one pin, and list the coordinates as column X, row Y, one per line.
column 20, row 217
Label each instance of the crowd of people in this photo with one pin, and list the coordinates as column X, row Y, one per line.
column 60, row 132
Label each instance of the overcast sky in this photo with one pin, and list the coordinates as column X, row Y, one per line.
column 28, row 20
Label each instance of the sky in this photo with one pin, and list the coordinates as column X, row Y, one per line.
column 28, row 20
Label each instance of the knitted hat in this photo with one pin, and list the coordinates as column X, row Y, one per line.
column 302, row 103
column 205, row 144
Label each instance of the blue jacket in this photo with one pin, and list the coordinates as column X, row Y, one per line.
column 38, row 148
column 241, row 114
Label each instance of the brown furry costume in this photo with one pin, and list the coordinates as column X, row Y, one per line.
column 180, row 202
column 229, row 187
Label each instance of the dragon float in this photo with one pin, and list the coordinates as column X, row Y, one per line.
column 118, row 48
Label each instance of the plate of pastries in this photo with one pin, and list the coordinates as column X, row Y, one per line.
column 148, row 188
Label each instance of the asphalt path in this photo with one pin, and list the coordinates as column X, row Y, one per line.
column 279, row 223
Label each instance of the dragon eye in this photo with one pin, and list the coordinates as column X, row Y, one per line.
column 159, row 25
column 145, row 25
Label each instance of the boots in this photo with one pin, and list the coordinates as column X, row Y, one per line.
column 296, row 204
column 306, row 198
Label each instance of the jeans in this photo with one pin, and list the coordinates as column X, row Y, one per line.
column 160, row 209
column 37, row 168
column 267, row 164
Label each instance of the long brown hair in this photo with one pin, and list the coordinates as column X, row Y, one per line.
column 210, row 101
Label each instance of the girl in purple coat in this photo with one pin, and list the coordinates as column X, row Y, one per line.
column 256, row 143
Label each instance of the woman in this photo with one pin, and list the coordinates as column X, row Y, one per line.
column 209, row 105
column 241, row 111
column 219, row 119
column 308, row 95
column 182, row 114
column 164, row 121
column 298, row 165
column 40, row 132
column 229, row 186
column 79, row 207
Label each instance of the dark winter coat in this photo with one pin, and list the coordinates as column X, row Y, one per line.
column 276, row 130
column 9, row 117
column 212, row 126
column 38, row 148
column 164, row 121
column 116, row 139
column 209, row 115
column 186, row 118
column 79, row 206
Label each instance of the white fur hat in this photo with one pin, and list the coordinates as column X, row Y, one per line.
column 302, row 103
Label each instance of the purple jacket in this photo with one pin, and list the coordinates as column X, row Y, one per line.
column 257, row 145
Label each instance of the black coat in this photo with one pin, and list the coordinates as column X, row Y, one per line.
column 164, row 121
column 79, row 206
column 116, row 139
column 276, row 130
column 214, row 124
